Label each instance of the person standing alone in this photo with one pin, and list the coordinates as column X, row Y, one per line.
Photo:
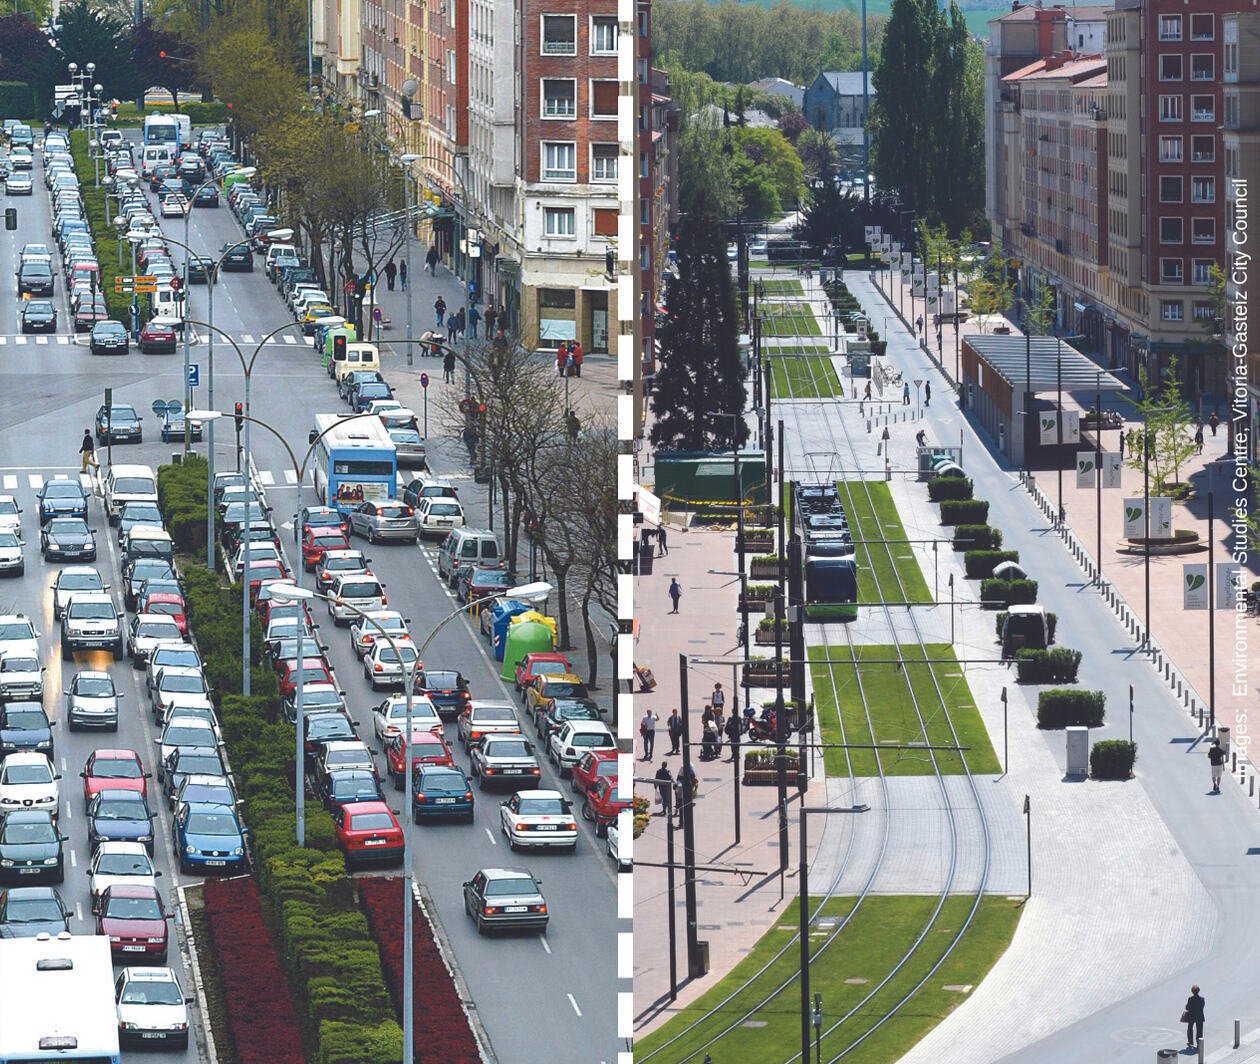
column 1216, row 759
column 391, row 274
column 674, row 727
column 431, row 260
column 439, row 309
column 927, row 393
column 647, row 728
column 474, row 316
column 675, row 593
column 1192, row 1017
column 665, row 789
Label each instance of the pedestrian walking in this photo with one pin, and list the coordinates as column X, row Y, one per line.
column 647, row 729
column 574, row 427
column 664, row 789
column 562, row 358
column 576, row 353
column 461, row 320
column 905, row 394
column 1213, row 422
column 474, row 317
column 918, row 325
column 1122, row 446
column 675, row 593
column 87, row 449
column 431, row 260
column 718, row 699
column 719, row 725
column 490, row 316
column 439, row 309
column 1216, row 759
column 1192, row 1017
column 448, row 368
column 920, row 437
column 1198, row 440
column 927, row 393
column 402, row 274
column 867, row 393
column 674, row 726
column 391, row 274
column 734, row 730
column 662, row 547
column 709, row 743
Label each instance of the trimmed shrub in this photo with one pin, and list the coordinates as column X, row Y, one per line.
column 182, row 497
column 1064, row 707
column 977, row 537
column 1010, row 592
column 104, row 235
column 964, row 512
column 979, row 563
column 950, row 488
column 1112, row 759
column 214, row 113
column 1052, row 621
column 1059, row 665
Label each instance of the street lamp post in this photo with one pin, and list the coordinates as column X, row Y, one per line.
column 407, row 160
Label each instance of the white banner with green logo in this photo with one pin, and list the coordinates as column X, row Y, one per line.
column 1194, row 589
column 1134, row 518
column 1111, row 469
column 1049, row 422
column 1161, row 518
column 1086, row 468
column 1229, row 585
column 1071, row 426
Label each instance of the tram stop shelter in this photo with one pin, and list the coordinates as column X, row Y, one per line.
column 1008, row 382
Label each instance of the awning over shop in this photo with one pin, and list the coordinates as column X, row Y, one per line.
column 1052, row 360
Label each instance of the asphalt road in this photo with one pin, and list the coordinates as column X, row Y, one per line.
column 540, row 997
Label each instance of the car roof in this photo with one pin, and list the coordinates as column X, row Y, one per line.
column 375, row 806
column 25, row 757
column 132, row 890
column 150, row 975
column 211, row 807
column 92, row 674
column 341, row 745
column 115, row 753
column 559, row 677
column 506, row 873
column 587, row 726
column 132, row 848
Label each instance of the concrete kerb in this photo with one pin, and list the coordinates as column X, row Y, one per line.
column 194, row 965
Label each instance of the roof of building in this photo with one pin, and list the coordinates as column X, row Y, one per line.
column 1080, row 13
column 1098, row 81
column 1011, row 356
column 1024, row 71
column 779, row 87
column 848, row 83
column 1073, row 69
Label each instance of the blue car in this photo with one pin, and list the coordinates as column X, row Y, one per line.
column 349, row 785
column 24, row 727
column 365, row 394
column 209, row 838
column 116, row 815
column 440, row 790
column 62, row 497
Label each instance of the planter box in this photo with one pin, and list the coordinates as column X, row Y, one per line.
column 763, row 677
column 765, row 636
column 769, row 777
column 751, row 544
column 754, row 604
column 759, row 570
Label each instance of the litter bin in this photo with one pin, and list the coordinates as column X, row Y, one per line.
column 699, row 966
column 1167, row 1055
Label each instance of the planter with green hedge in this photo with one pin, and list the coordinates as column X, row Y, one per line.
column 762, row 672
column 964, row 512
column 1052, row 621
column 761, row 768
column 104, row 235
column 755, row 539
column 979, row 563
column 977, row 537
column 765, row 567
column 1059, row 665
column 944, row 489
column 1112, row 759
column 1066, row 707
column 1008, row 592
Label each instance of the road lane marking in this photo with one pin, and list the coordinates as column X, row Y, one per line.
column 493, row 840
column 246, row 338
column 574, row 1003
column 266, row 477
column 74, row 863
column 78, row 913
column 63, row 341
column 69, row 812
column 86, row 480
column 290, row 476
column 290, row 339
column 19, row 340
column 10, row 482
column 41, row 340
column 541, row 938
column 35, row 480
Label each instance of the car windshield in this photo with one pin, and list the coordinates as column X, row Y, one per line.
column 404, row 436
column 16, row 630
column 134, row 485
column 571, row 710
column 17, row 664
column 444, row 509
column 184, row 682
column 124, row 908
column 188, row 735
column 347, row 757
column 142, row 513
column 186, row 658
column 343, row 564
column 28, row 833
column 542, row 807
column 393, row 511
column 37, row 772
column 589, row 739
column 66, row 526
column 361, row 590
column 32, row 910
column 212, row 824
column 124, row 864
column 151, row 569
column 503, row 887
column 116, row 768
column 62, row 489
column 200, row 764
column 371, row 822
column 91, row 611
column 492, row 714
column 79, row 582
column 443, row 680
column 509, row 748
column 440, row 778
column 360, row 783
column 388, row 653
column 157, row 630
column 328, row 725
column 170, row 609
column 25, row 719
column 8, row 506
column 562, row 688
column 111, row 808
column 151, row 992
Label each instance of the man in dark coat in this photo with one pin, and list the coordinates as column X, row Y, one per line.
column 1194, row 1018
column 391, row 274
column 674, row 725
column 734, row 730
column 665, row 789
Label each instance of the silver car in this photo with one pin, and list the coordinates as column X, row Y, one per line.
column 409, row 447
column 505, row 759
column 385, row 519
column 21, row 678
column 92, row 701
column 72, row 579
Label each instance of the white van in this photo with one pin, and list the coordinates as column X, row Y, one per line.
column 147, row 541
column 153, row 155
column 359, row 356
column 464, row 547
column 128, row 483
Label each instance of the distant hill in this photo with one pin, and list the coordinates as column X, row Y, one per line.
column 977, row 14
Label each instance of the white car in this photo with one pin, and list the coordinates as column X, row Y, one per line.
column 120, row 864
column 174, row 206
column 18, row 635
column 18, row 185
column 389, row 665
column 258, row 552
column 538, row 820
column 10, row 514
column 11, row 560
column 612, row 843
column 151, row 1007
column 363, row 636
column 179, row 654
column 573, row 739
column 27, row 781
column 70, row 581
column 146, row 632
column 335, row 563
column 363, row 592
column 21, row 678
column 379, row 406
column 438, row 516
column 92, row 701
column 390, row 717
column 176, row 688
column 185, row 731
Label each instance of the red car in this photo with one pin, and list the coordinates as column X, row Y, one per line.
column 135, row 919
column 264, row 570
column 264, row 602
column 367, row 831
column 602, row 804
column 169, row 604
column 317, row 540
column 315, row 670
column 591, row 766
column 534, row 665
column 321, row 517
column 116, row 769
column 427, row 748
column 157, row 337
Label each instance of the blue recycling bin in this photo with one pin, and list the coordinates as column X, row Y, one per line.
column 502, row 613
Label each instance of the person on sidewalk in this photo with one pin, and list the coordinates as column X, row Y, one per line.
column 439, row 310
column 1213, row 422
column 1198, row 440
column 431, row 260
column 573, row 426
column 662, row 547
column 474, row 316
column 490, row 315
column 562, row 358
column 674, row 727
column 87, row 449
column 905, row 394
column 1216, row 759
column 1122, row 445
column 920, row 437
column 391, row 274
column 927, row 393
column 575, row 352
column 402, row 275
column 647, row 729
column 675, row 593
column 718, row 699
column 885, row 436
column 448, row 368
column 1192, row 1017
column 709, row 744
column 918, row 325
column 867, row 393
column 665, row 790
column 734, row 730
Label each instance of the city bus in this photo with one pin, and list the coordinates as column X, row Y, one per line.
column 58, row 1000
column 173, row 131
column 354, row 460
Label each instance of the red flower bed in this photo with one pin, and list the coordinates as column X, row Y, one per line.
column 441, row 1026
column 260, row 1012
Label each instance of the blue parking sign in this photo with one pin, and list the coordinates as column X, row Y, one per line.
column 194, row 374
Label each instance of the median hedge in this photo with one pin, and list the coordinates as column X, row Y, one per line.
column 1112, row 759
column 1059, row 665
column 979, row 563
column 977, row 537
column 964, row 512
column 328, row 952
column 104, row 235
column 182, row 498
column 950, row 488
column 1064, row 707
column 1008, row 592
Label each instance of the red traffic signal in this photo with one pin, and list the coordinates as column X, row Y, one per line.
column 240, row 416
column 162, row 55
column 481, row 408
column 339, row 348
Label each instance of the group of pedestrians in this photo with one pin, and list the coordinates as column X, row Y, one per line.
column 569, row 359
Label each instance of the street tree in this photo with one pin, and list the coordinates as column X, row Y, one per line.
column 765, row 159
column 89, row 35
column 26, row 53
column 1168, row 418
column 165, row 58
column 792, row 123
column 990, row 291
column 819, row 154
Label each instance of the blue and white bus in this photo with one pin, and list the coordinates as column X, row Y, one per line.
column 173, row 131
column 355, row 461
column 57, row 1002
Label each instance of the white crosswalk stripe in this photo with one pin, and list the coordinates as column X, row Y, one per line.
column 41, row 340
column 246, row 338
column 266, row 477
column 10, row 482
column 86, row 480
column 3, row 340
column 19, row 339
column 290, row 339
column 290, row 476
column 35, row 480
column 63, row 341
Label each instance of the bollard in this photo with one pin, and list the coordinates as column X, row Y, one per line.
column 868, row 426
column 1237, row 1033
column 1200, row 1051
column 1251, row 793
column 1233, row 762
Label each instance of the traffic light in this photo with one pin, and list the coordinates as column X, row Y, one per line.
column 239, row 416
column 481, row 409
column 339, row 348
column 10, row 218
